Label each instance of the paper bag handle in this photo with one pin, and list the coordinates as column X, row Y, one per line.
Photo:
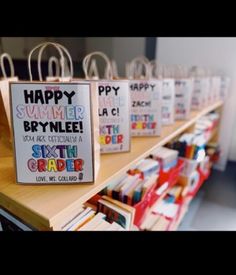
column 8, row 57
column 54, row 60
column 41, row 47
column 180, row 71
column 39, row 67
column 135, row 71
column 108, row 71
column 93, row 70
column 155, row 69
column 62, row 59
column 113, row 68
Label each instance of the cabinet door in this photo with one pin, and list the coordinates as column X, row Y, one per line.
column 11, row 223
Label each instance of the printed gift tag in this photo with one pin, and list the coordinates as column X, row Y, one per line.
column 114, row 113
column 198, row 93
column 168, row 101
column 183, row 96
column 224, row 87
column 216, row 83
column 206, row 86
column 113, row 105
column 145, row 107
column 52, row 128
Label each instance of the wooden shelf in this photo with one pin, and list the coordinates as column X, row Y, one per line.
column 48, row 207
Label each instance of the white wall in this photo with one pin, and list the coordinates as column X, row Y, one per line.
column 121, row 49
column 19, row 47
column 125, row 49
column 216, row 53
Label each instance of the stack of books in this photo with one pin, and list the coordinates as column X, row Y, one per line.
column 88, row 220
column 166, row 157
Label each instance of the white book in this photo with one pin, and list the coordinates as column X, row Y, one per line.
column 95, row 221
column 129, row 182
column 102, row 226
column 150, row 220
column 165, row 153
column 115, row 227
column 114, row 185
column 76, row 219
column 160, row 225
column 83, row 220
column 110, row 209
column 71, row 217
column 167, row 209
column 150, row 181
column 148, row 164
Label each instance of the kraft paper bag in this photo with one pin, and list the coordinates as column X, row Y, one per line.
column 216, row 85
column 55, row 129
column 146, row 99
column 183, row 93
column 183, row 97
column 202, row 92
column 57, row 77
column 113, row 106
column 224, row 87
column 4, row 86
column 165, row 75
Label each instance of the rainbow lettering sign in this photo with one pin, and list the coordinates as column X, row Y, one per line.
column 114, row 112
column 52, row 132
column 145, row 107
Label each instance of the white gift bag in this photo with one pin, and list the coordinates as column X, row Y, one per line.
column 4, row 85
column 54, row 129
column 183, row 94
column 146, row 99
column 201, row 88
column 216, row 86
column 224, row 88
column 113, row 107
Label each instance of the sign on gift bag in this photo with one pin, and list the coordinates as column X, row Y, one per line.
column 145, row 101
column 224, row 87
column 183, row 97
column 202, row 92
column 113, row 107
column 168, row 101
column 54, row 130
column 198, row 93
column 216, row 85
column 4, row 85
column 206, row 91
column 145, row 107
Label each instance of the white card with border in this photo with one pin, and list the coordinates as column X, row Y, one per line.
column 145, row 107
column 114, row 113
column 52, row 130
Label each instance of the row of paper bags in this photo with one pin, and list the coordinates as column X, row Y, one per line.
column 61, row 125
